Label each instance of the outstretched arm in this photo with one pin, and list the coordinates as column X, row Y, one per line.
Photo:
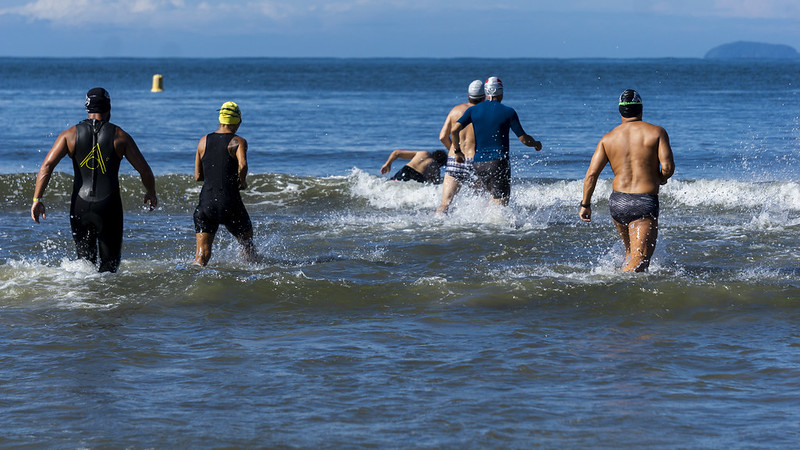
column 131, row 151
column 665, row 157
column 405, row 154
column 57, row 152
column 599, row 161
column 530, row 142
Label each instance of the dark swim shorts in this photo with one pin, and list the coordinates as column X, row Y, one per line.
column 625, row 208
column 408, row 174
column 496, row 176
column 208, row 218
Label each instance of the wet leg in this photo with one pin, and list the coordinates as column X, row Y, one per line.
column 203, row 253
column 626, row 240
column 642, row 241
column 248, row 247
column 450, row 187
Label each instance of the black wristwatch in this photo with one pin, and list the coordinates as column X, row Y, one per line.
column 586, row 205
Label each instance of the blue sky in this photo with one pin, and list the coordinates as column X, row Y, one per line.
column 391, row 28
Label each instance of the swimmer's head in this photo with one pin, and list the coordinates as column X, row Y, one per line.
column 630, row 104
column 98, row 101
column 476, row 91
column 493, row 87
column 440, row 156
column 229, row 114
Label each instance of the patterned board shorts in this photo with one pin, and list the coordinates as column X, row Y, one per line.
column 462, row 172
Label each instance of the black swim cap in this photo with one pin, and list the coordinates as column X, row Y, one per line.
column 440, row 156
column 630, row 103
column 98, row 101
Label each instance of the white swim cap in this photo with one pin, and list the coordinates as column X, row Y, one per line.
column 494, row 87
column 476, row 89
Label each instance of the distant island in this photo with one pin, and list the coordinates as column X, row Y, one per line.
column 752, row 50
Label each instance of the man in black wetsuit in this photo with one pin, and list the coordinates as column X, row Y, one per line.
column 96, row 147
column 221, row 164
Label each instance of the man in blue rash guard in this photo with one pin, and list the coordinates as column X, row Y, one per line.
column 96, row 147
column 492, row 121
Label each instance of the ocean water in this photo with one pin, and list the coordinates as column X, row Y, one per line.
column 371, row 322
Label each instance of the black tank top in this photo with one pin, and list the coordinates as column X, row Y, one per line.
column 220, row 170
column 95, row 161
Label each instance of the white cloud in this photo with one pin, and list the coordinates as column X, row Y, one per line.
column 79, row 12
column 182, row 14
column 189, row 14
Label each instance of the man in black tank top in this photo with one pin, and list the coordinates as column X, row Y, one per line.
column 221, row 164
column 96, row 148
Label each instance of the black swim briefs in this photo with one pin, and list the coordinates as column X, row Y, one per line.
column 625, row 208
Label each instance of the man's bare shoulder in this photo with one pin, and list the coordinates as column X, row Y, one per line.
column 637, row 127
column 611, row 134
column 121, row 134
column 237, row 143
column 69, row 133
column 459, row 109
column 658, row 129
column 65, row 142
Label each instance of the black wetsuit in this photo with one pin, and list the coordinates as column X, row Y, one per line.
column 95, row 214
column 220, row 201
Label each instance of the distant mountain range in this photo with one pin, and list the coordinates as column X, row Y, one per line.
column 752, row 50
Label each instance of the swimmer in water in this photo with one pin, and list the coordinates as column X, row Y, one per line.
column 221, row 164
column 458, row 173
column 423, row 167
column 641, row 159
column 96, row 147
column 491, row 122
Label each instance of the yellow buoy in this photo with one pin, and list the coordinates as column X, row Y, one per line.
column 158, row 83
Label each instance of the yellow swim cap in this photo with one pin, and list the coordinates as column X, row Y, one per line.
column 229, row 114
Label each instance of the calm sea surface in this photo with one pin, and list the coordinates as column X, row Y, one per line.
column 370, row 321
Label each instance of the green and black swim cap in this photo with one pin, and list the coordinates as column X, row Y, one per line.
column 630, row 103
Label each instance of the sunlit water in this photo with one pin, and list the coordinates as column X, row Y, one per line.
column 369, row 320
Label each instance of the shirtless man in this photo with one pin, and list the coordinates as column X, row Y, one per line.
column 424, row 167
column 458, row 173
column 641, row 159
column 96, row 147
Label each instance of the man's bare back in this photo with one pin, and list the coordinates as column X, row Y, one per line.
column 635, row 150
column 466, row 135
column 641, row 159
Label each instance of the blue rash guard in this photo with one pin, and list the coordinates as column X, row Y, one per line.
column 491, row 121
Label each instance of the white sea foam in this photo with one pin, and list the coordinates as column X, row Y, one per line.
column 386, row 194
column 534, row 194
column 734, row 194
